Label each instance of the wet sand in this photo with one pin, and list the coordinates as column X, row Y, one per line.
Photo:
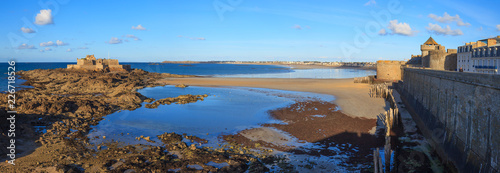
column 352, row 98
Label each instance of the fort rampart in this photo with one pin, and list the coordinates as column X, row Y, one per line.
column 459, row 113
column 389, row 70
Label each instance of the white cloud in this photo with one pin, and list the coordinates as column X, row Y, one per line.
column 436, row 29
column 41, row 50
column 297, row 27
column 83, row 47
column 27, row 30
column 26, row 46
column 69, row 50
column 44, row 17
column 446, row 18
column 370, row 2
column 400, row 28
column 498, row 27
column 48, row 49
column 460, row 23
column 133, row 37
column 115, row 40
column 60, row 43
column 382, row 32
column 49, row 43
column 138, row 27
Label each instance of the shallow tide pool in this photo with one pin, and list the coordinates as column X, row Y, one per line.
column 224, row 111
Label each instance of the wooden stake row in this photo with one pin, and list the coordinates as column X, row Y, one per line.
column 390, row 120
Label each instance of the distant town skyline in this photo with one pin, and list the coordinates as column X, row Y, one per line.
column 239, row 30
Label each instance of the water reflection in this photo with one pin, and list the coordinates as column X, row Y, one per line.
column 225, row 111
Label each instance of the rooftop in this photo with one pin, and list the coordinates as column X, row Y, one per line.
column 431, row 41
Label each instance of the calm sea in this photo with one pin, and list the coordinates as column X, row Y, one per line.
column 185, row 69
column 215, row 70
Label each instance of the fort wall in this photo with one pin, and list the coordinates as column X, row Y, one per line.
column 389, row 70
column 458, row 113
column 91, row 63
column 441, row 60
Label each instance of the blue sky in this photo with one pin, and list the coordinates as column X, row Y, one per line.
column 322, row 30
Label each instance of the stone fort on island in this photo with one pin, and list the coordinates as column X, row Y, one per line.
column 91, row 63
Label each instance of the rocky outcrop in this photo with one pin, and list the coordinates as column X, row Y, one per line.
column 181, row 85
column 182, row 99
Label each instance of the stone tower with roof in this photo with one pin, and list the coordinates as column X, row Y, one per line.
column 437, row 57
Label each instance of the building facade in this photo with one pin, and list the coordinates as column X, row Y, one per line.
column 482, row 56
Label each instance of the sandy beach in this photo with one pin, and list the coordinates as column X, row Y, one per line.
column 352, row 98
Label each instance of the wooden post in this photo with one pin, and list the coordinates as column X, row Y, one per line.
column 396, row 114
column 375, row 161
column 387, row 153
column 380, row 168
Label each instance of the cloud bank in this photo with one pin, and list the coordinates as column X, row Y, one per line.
column 436, row 29
column 446, row 18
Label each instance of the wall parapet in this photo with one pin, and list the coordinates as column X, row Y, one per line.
column 486, row 80
column 458, row 113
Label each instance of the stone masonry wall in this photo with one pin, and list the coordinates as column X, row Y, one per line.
column 389, row 70
column 459, row 113
column 441, row 60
